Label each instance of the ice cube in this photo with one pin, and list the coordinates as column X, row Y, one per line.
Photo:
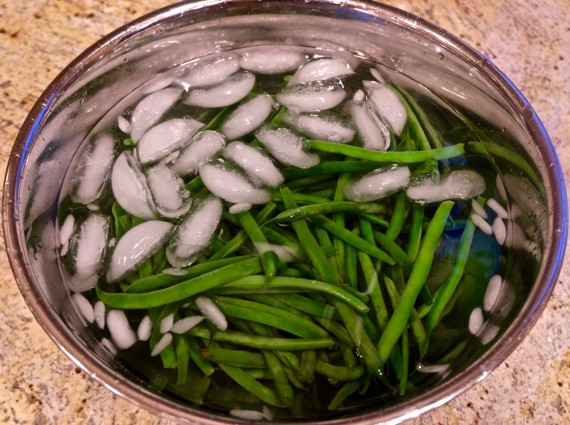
column 458, row 185
column 272, row 59
column 313, row 96
column 247, row 117
column 194, row 233
column 88, row 248
column 321, row 69
column 165, row 138
column 150, row 109
column 231, row 186
column 211, row 72
column 386, row 104
column 231, row 91
column 91, row 174
column 323, row 126
column 255, row 164
column 167, row 189
column 377, row 184
column 372, row 131
column 138, row 244
column 286, row 147
column 204, row 146
column 130, row 188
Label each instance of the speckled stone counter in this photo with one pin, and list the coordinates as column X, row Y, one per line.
column 528, row 39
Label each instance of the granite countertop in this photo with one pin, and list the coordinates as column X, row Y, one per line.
column 528, row 39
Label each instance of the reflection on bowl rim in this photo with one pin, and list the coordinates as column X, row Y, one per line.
column 444, row 392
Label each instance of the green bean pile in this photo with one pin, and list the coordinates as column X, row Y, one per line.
column 351, row 313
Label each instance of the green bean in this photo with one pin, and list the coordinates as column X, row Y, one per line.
column 195, row 184
column 376, row 220
column 182, row 358
column 394, row 250
column 414, row 321
column 346, row 390
column 415, row 235
column 352, row 239
column 350, row 264
column 280, row 379
column 405, row 363
column 272, row 320
column 306, row 372
column 300, row 198
column 390, row 157
column 259, row 282
column 218, row 118
column 182, row 290
column 340, row 219
column 416, row 280
column 308, row 181
column 398, row 216
column 280, row 237
column 348, row 355
column 325, row 242
column 117, row 211
column 261, row 374
column 349, row 317
column 329, row 167
column 449, row 286
column 163, row 279
column 412, row 124
column 269, row 259
column 240, row 238
column 194, row 350
column 308, row 305
column 262, row 343
column 264, row 393
column 335, row 329
column 422, row 118
column 323, row 194
column 258, row 308
column 338, row 373
column 237, row 358
column 328, row 208
column 370, row 274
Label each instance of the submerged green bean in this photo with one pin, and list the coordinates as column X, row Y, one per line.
column 390, row 157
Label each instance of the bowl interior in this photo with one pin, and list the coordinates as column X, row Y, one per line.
column 431, row 64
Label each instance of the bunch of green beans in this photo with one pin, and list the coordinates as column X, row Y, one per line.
column 318, row 291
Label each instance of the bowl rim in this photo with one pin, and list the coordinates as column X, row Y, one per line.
column 164, row 407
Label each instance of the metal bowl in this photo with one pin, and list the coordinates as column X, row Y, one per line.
column 109, row 76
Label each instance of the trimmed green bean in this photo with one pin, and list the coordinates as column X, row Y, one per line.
column 352, row 239
column 237, row 358
column 269, row 319
column 263, row 343
column 163, row 279
column 338, row 373
column 328, row 208
column 389, row 157
column 264, row 393
column 194, row 350
column 398, row 217
column 394, row 250
column 337, row 167
column 259, row 282
column 346, row 390
column 415, row 233
column 280, row 379
column 257, row 308
column 449, row 286
column 182, row 290
column 418, row 275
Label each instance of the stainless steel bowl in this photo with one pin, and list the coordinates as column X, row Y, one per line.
column 108, row 77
